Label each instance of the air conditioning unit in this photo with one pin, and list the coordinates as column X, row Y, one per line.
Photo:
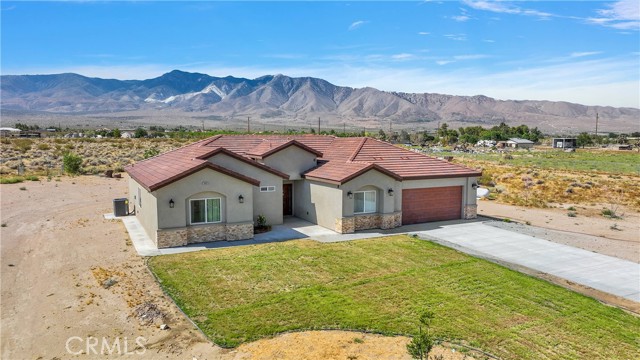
column 121, row 207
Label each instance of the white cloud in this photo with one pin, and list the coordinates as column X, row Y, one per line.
column 622, row 15
column 504, row 8
column 460, row 18
column 471, row 57
column 456, row 37
column 356, row 24
column 402, row 56
column 423, row 33
column 585, row 53
column 489, row 41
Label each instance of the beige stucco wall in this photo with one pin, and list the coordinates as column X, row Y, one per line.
column 317, row 202
column 147, row 213
column 268, row 204
column 204, row 183
column 374, row 180
column 292, row 161
column 468, row 193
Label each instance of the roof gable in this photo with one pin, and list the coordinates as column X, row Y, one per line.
column 217, row 151
column 268, row 148
column 193, row 170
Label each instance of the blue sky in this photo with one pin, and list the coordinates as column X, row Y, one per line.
column 579, row 51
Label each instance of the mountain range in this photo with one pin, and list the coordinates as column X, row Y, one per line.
column 280, row 96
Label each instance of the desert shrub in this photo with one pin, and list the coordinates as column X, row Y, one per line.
column 572, row 214
column 421, row 344
column 32, row 178
column 261, row 220
column 151, row 152
column 22, row 145
column 71, row 163
column 486, row 179
column 11, row 180
column 5, row 140
column 44, row 146
column 609, row 213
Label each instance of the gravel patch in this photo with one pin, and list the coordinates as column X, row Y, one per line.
column 622, row 249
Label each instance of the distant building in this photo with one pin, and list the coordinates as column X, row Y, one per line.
column 565, row 143
column 519, row 143
column 8, row 131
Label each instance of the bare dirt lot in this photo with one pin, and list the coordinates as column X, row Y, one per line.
column 72, row 282
column 67, row 273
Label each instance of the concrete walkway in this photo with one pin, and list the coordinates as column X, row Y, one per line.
column 605, row 273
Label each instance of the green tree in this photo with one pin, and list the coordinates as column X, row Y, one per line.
column 404, row 136
column 382, row 135
column 71, row 163
column 116, row 133
column 421, row 344
column 140, row 133
column 584, row 139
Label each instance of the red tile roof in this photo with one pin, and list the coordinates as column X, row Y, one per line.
column 269, row 147
column 342, row 159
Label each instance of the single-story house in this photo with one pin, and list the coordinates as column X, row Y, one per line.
column 214, row 189
column 565, row 143
column 520, row 143
column 9, row 131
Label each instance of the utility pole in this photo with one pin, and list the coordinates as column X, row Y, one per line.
column 318, row 125
column 248, row 125
column 344, row 128
column 203, row 125
column 597, row 124
column 390, row 129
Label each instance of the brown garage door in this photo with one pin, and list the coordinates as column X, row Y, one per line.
column 431, row 204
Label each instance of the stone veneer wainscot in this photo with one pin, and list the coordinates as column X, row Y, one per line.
column 351, row 224
column 203, row 233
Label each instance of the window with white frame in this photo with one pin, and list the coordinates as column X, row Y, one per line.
column 364, row 202
column 267, row 188
column 205, row 211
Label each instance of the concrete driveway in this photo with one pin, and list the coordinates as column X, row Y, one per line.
column 605, row 273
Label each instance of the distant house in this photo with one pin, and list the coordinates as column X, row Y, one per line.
column 214, row 189
column 565, row 143
column 8, row 131
column 519, row 143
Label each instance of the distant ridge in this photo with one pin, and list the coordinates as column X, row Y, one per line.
column 274, row 96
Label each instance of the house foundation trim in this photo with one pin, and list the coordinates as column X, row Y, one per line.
column 347, row 225
column 203, row 233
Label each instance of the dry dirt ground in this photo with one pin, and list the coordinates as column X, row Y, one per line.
column 58, row 258
column 57, row 252
column 588, row 230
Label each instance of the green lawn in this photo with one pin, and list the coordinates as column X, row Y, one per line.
column 582, row 160
column 245, row 293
